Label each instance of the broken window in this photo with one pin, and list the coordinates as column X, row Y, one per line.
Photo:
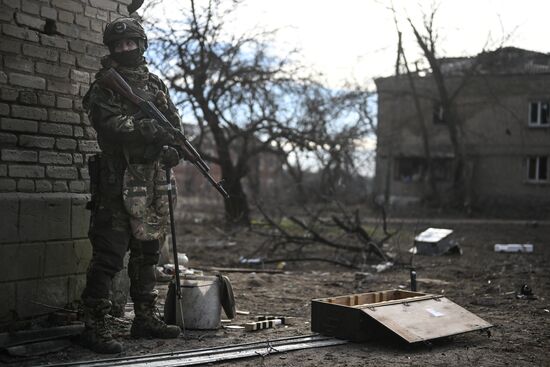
column 539, row 113
column 414, row 169
column 437, row 113
column 537, row 169
column 410, row 169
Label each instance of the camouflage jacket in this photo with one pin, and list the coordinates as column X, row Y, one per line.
column 119, row 139
column 112, row 116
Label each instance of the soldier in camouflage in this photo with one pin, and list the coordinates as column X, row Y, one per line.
column 129, row 192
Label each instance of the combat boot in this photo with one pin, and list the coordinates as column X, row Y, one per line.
column 148, row 325
column 96, row 336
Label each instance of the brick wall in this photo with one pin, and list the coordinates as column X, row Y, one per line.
column 49, row 52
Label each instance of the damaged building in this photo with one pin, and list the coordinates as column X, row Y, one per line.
column 501, row 104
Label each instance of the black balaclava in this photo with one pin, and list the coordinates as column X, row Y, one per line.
column 130, row 58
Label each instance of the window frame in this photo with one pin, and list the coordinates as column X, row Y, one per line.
column 537, row 160
column 539, row 103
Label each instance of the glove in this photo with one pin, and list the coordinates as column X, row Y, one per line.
column 161, row 101
column 169, row 157
column 153, row 133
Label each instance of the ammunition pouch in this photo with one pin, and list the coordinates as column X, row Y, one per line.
column 145, row 195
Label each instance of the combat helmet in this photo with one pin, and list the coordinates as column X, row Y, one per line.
column 125, row 27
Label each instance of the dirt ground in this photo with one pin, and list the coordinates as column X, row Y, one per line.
column 479, row 280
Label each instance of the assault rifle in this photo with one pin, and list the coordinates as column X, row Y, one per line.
column 113, row 81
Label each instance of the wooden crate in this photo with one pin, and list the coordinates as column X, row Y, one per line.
column 413, row 316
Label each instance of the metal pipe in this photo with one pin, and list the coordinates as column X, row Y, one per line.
column 208, row 355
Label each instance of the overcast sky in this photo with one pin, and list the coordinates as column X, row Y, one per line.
column 356, row 39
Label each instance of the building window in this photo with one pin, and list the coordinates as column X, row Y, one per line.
column 410, row 169
column 537, row 169
column 414, row 169
column 539, row 113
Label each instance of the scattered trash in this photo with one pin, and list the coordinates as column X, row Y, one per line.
column 252, row 261
column 239, row 312
column 260, row 325
column 514, row 247
column 436, row 241
column 183, row 260
column 431, row 281
column 161, row 275
column 286, row 320
column 233, row 327
column 170, row 270
column 382, row 266
column 526, row 293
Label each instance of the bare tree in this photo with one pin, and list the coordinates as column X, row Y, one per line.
column 446, row 95
column 246, row 101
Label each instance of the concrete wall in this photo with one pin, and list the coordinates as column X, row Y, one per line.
column 49, row 52
column 496, row 134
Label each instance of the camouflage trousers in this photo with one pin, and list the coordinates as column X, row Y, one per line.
column 111, row 237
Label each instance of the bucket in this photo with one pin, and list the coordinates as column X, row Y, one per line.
column 201, row 299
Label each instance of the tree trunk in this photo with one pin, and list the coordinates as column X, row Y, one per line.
column 236, row 207
column 237, row 212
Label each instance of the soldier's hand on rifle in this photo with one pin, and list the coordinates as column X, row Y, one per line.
column 169, row 157
column 152, row 132
column 161, row 101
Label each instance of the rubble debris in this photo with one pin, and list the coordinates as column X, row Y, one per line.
column 526, row 293
column 33, row 336
column 286, row 320
column 251, row 261
column 260, row 325
column 382, row 266
column 433, row 282
column 436, row 241
column 39, row 348
column 233, row 327
column 514, row 247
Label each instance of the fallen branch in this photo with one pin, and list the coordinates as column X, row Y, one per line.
column 319, row 238
column 300, row 259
